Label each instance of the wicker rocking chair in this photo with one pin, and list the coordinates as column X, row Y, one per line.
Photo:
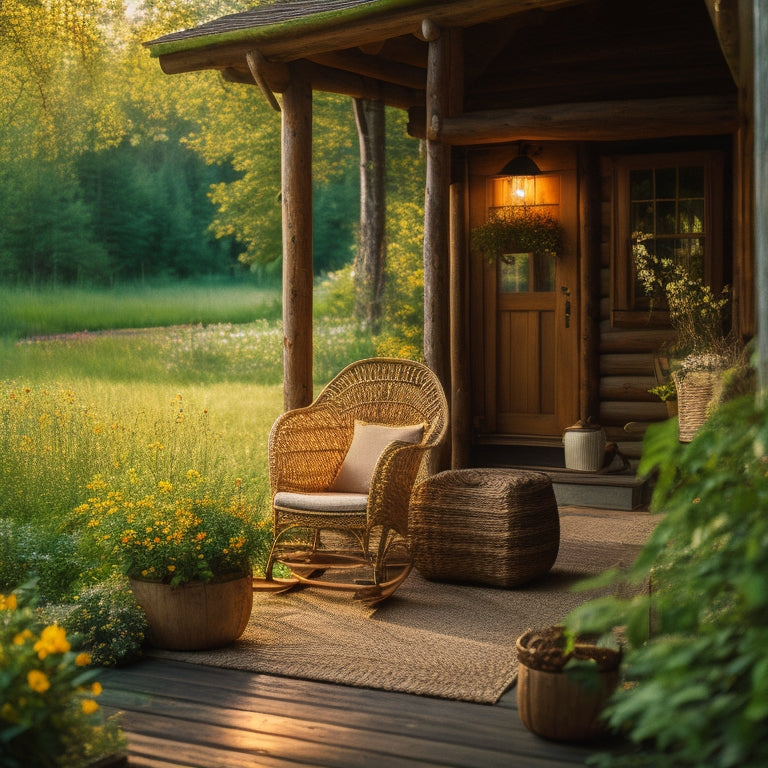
column 341, row 474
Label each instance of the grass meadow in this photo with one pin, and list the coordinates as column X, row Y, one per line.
column 96, row 383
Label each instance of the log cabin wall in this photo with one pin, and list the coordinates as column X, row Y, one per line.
column 627, row 350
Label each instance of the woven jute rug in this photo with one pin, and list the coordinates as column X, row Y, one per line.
column 444, row 640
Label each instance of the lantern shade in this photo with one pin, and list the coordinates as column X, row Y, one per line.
column 521, row 165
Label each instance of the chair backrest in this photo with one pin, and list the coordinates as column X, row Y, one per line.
column 384, row 390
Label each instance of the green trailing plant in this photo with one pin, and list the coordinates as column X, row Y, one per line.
column 518, row 229
column 696, row 671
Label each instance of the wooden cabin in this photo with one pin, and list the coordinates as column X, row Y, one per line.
column 625, row 108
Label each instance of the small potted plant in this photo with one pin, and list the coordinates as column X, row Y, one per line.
column 49, row 714
column 186, row 550
column 563, row 683
column 702, row 348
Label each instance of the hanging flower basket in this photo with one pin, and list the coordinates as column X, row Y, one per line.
column 518, row 230
column 697, row 391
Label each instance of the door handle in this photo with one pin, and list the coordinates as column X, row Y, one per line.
column 567, row 295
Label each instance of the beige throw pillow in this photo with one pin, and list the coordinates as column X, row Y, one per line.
column 368, row 442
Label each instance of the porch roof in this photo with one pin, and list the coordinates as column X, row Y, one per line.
column 516, row 53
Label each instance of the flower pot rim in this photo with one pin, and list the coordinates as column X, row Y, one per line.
column 217, row 579
column 607, row 659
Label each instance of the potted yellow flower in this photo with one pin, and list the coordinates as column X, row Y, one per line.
column 187, row 550
column 49, row 714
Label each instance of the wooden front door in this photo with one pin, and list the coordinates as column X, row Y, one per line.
column 531, row 317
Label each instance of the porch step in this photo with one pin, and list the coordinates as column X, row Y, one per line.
column 622, row 490
column 603, row 491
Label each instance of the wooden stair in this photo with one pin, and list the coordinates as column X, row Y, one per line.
column 620, row 490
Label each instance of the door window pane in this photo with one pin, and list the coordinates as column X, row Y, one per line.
column 526, row 273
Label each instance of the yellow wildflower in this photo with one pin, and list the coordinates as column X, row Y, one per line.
column 8, row 603
column 97, row 484
column 53, row 639
column 96, row 688
column 38, row 681
column 89, row 706
column 83, row 659
column 22, row 636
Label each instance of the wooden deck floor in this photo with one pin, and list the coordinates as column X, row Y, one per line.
column 177, row 714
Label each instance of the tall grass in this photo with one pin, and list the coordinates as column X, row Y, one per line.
column 55, row 440
column 180, row 355
column 80, row 404
column 150, row 382
column 28, row 312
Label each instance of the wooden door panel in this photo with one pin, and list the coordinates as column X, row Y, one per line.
column 529, row 311
column 525, row 369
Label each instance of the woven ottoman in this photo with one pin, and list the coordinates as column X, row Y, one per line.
column 497, row 527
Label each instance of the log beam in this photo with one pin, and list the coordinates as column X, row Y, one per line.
column 589, row 121
column 297, row 243
column 369, row 66
column 256, row 65
column 330, row 80
column 589, row 249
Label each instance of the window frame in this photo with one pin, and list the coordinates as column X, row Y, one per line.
column 626, row 311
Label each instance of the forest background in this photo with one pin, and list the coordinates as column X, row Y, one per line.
column 140, row 301
column 114, row 174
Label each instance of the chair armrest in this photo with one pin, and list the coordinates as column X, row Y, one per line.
column 392, row 483
column 305, row 449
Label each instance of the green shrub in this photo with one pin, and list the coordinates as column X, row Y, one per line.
column 49, row 714
column 697, row 685
column 49, row 556
column 110, row 622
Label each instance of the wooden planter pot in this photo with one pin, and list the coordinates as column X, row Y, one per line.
column 195, row 616
column 554, row 705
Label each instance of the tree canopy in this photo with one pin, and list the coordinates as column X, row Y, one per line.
column 112, row 170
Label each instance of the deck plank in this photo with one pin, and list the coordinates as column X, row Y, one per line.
column 177, row 714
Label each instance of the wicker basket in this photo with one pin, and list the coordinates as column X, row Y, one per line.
column 696, row 391
column 555, row 705
column 496, row 527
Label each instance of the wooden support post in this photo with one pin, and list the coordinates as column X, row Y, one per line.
column 297, row 244
column 760, row 54
column 436, row 218
column 590, row 266
column 461, row 420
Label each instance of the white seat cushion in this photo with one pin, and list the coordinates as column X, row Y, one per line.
column 323, row 501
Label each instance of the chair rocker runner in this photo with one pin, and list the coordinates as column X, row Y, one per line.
column 341, row 474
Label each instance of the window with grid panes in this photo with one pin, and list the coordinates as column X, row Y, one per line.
column 676, row 200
